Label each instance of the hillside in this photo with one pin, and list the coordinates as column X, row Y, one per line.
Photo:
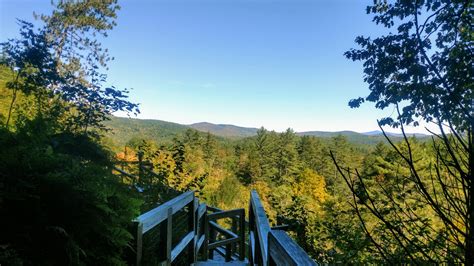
column 225, row 130
column 124, row 129
column 354, row 137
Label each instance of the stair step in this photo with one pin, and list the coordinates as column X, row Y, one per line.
column 213, row 263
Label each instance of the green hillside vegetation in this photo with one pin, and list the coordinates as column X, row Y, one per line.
column 124, row 129
column 351, row 136
column 225, row 130
column 347, row 198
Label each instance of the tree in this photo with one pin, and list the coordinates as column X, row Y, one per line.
column 424, row 69
column 66, row 205
column 76, row 57
column 286, row 157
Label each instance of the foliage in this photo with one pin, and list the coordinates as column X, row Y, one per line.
column 416, row 204
column 65, row 206
column 66, row 197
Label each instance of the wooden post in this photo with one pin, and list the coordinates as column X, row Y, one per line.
column 205, row 247
column 251, row 233
column 166, row 233
column 212, row 239
column 242, row 236
column 228, row 252
column 192, row 228
column 135, row 256
column 235, row 223
column 196, row 228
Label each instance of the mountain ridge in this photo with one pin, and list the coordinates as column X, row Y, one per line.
column 124, row 129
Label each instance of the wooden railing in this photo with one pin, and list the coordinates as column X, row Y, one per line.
column 201, row 237
column 204, row 237
column 271, row 246
column 164, row 214
column 231, row 237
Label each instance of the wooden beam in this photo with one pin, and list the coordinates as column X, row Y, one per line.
column 222, row 230
column 283, row 227
column 224, row 214
column 242, row 235
column 200, row 242
column 192, row 229
column 181, row 245
column 201, row 210
column 135, row 254
column 262, row 226
column 123, row 172
column 223, row 242
column 152, row 218
column 284, row 251
column 169, row 235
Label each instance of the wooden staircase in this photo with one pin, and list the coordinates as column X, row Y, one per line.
column 202, row 240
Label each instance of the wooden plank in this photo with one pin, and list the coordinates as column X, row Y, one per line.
column 214, row 209
column 200, row 242
column 169, row 235
column 242, row 235
column 201, row 210
column 152, row 218
column 234, row 228
column 224, row 214
column 124, row 173
column 262, row 226
column 212, row 238
column 222, row 230
column 223, row 242
column 135, row 256
column 181, row 245
column 228, row 251
column 192, row 228
column 219, row 263
column 284, row 251
column 283, row 227
column 221, row 251
column 206, row 235
column 251, row 247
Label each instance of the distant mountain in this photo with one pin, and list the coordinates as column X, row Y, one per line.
column 354, row 137
column 225, row 130
column 391, row 134
column 124, row 129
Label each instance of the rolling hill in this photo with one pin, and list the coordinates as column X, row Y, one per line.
column 124, row 129
column 225, row 130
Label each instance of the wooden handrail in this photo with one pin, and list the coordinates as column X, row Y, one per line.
column 225, row 214
column 164, row 213
column 222, row 230
column 159, row 214
column 123, row 172
column 284, row 251
column 232, row 237
column 259, row 228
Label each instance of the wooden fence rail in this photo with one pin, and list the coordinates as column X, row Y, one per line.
column 204, row 236
column 164, row 214
column 271, row 246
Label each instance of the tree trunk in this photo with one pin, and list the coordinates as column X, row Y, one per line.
column 469, row 251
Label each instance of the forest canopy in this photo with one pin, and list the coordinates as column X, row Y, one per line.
column 345, row 199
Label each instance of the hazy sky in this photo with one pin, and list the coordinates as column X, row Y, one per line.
column 276, row 64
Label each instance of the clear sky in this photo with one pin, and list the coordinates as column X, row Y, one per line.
column 276, row 64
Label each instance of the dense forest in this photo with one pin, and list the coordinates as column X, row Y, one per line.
column 396, row 199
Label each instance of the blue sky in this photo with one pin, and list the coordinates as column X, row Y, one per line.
column 276, row 64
